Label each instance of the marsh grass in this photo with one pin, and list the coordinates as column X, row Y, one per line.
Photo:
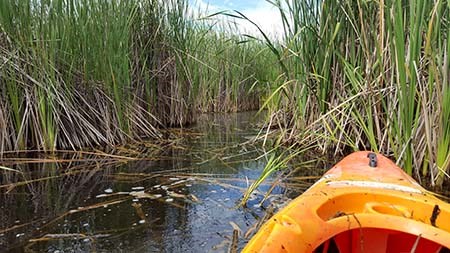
column 97, row 73
column 370, row 75
column 346, row 75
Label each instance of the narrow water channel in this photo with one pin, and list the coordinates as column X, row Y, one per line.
column 179, row 198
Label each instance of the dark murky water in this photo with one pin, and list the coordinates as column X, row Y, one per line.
column 181, row 198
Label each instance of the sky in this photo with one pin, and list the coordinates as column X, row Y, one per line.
column 259, row 11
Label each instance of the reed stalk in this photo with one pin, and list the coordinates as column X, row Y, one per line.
column 366, row 75
column 85, row 73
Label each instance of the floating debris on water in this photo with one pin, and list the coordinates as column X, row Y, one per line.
column 221, row 245
column 176, row 195
column 235, row 227
column 143, row 195
column 153, row 200
column 109, row 190
column 109, row 194
column 178, row 182
column 194, row 198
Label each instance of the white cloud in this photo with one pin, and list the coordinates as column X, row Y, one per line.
column 264, row 14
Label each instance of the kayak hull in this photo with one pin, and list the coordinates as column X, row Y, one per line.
column 365, row 203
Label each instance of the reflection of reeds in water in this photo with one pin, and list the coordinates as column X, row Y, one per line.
column 46, row 190
column 59, row 192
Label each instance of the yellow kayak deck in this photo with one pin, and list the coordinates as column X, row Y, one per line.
column 365, row 203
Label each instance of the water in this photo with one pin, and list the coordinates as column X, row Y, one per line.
column 180, row 198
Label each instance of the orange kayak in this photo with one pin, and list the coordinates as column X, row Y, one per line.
column 365, row 203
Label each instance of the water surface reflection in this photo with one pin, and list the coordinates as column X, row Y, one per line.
column 179, row 198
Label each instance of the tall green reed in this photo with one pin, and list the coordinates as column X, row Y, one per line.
column 367, row 75
column 89, row 73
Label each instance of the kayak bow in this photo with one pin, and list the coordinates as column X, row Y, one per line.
column 365, row 203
